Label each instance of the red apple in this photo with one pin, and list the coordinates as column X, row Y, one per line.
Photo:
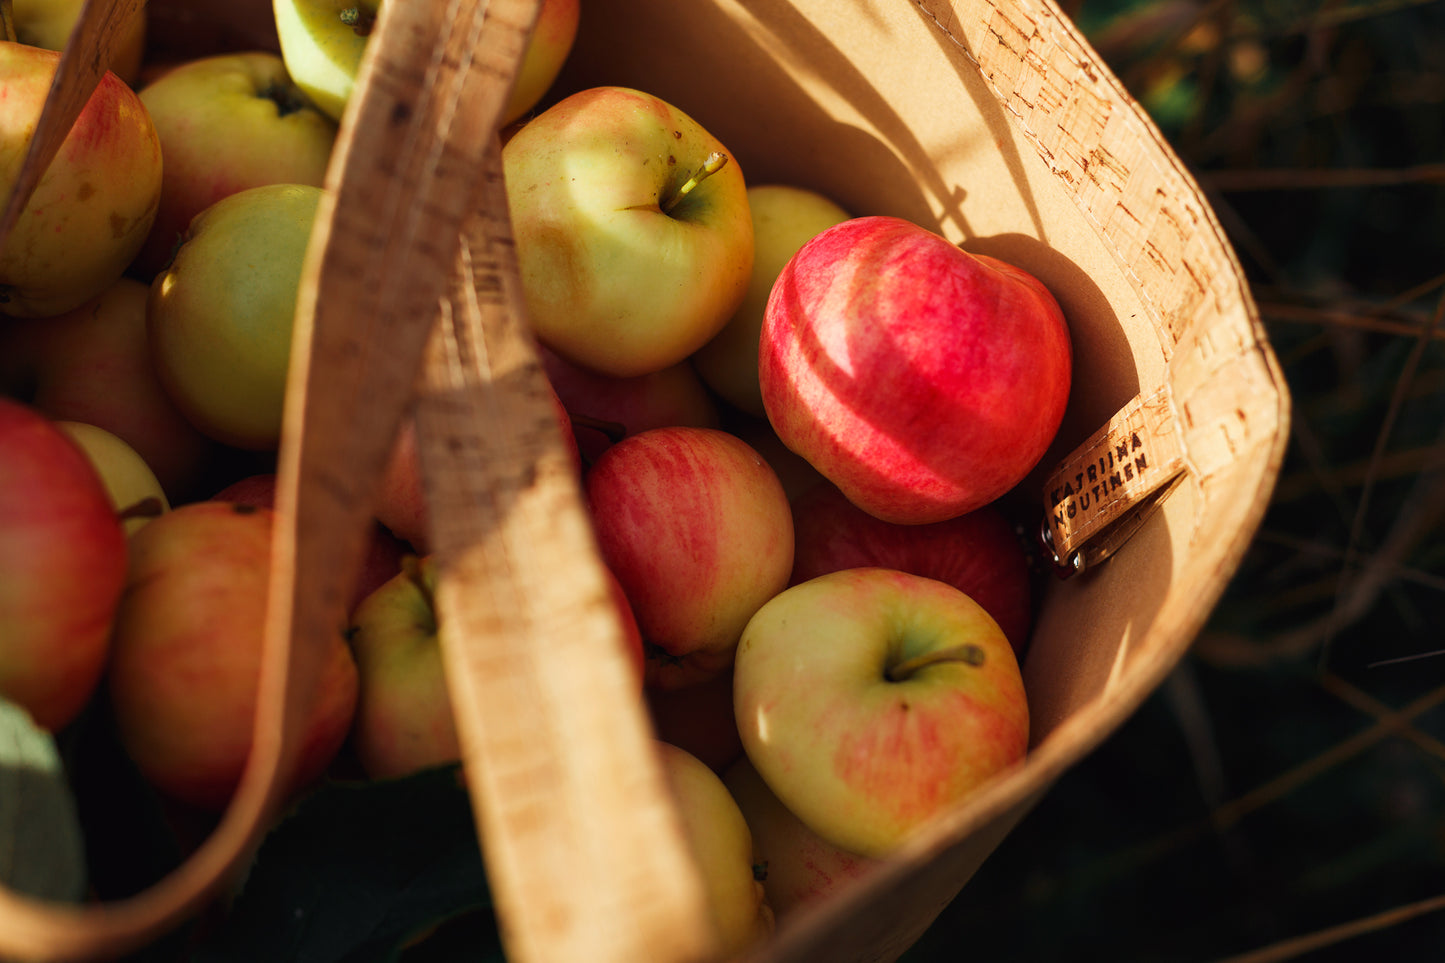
column 186, row 656
column 62, row 568
column 922, row 380
column 977, row 553
column 93, row 365
column 671, row 396
column 696, row 527
column 698, row 718
column 384, row 551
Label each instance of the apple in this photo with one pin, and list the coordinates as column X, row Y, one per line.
column 227, row 123
column 978, row 553
column 384, row 551
column 784, row 219
column 697, row 529
column 93, row 364
column 547, row 50
column 135, row 493
column 603, row 409
column 186, row 656
column 220, row 316
column 920, row 379
column 401, row 495
column 871, row 700
column 634, row 245
column 404, row 719
column 323, row 42
column 95, row 203
column 720, row 842
column 798, row 866
column 62, row 568
column 698, row 718
column 49, row 24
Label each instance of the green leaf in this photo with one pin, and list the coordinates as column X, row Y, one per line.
column 357, row 872
column 42, row 850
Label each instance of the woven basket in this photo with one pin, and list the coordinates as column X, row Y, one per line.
column 991, row 122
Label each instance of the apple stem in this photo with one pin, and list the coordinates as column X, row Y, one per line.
column 148, row 507
column 714, row 163
column 967, row 653
column 359, row 19
column 7, row 22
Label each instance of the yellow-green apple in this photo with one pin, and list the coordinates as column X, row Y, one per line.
column 872, row 700
column 135, row 493
column 718, row 838
column 186, row 656
column 634, row 245
column 542, row 60
column 49, row 24
column 697, row 529
column 93, row 364
column 922, row 380
column 62, row 568
column 698, row 718
column 797, row 865
column 401, row 494
column 404, row 719
column 94, row 204
column 323, row 42
column 227, row 123
column 383, row 553
column 978, row 553
column 220, row 315
column 604, row 409
column 784, row 219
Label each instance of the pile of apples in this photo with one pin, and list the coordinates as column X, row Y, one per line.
column 793, row 426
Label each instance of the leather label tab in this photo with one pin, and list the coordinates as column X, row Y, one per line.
column 1120, row 467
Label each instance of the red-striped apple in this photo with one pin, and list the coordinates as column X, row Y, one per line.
column 696, row 527
column 186, row 656
column 871, row 700
column 785, row 218
column 922, row 380
column 977, row 553
column 62, row 568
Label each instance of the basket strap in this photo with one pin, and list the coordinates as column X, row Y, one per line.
column 584, row 851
